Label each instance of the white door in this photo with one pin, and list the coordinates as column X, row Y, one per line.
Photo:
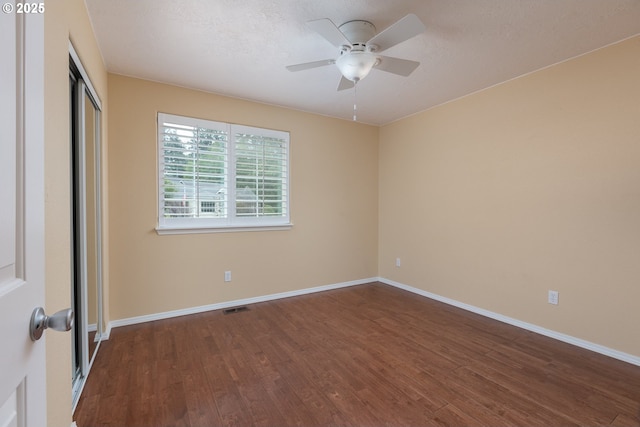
column 22, row 361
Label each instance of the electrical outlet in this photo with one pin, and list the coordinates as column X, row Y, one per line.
column 227, row 276
column 553, row 297
column 398, row 263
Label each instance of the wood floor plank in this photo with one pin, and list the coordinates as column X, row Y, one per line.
column 623, row 420
column 368, row 355
column 301, row 382
column 584, row 398
column 451, row 415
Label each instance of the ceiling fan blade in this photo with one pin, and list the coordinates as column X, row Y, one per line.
column 309, row 65
column 329, row 31
column 404, row 29
column 345, row 83
column 402, row 67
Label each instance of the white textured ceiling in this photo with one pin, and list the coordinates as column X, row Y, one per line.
column 240, row 48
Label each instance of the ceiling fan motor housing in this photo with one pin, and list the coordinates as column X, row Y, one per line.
column 358, row 32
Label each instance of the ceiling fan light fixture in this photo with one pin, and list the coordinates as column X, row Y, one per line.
column 355, row 65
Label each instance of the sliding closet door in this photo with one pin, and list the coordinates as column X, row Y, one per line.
column 87, row 257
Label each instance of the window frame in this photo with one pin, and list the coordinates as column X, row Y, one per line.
column 231, row 222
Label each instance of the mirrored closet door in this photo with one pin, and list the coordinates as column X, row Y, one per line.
column 86, row 266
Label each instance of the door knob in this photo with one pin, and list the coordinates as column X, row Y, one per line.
column 60, row 321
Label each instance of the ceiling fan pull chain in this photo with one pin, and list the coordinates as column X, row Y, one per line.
column 355, row 101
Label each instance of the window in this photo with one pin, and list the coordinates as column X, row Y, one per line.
column 217, row 175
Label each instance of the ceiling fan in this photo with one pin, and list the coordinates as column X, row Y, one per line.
column 360, row 48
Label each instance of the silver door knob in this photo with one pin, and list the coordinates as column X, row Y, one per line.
column 60, row 321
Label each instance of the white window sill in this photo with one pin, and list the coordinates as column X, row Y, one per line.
column 201, row 230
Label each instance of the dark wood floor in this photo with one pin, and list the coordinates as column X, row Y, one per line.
column 370, row 355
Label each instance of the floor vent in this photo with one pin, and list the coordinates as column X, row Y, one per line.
column 235, row 310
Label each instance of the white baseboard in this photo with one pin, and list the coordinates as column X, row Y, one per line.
column 629, row 358
column 106, row 334
column 228, row 304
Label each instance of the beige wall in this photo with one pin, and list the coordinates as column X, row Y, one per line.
column 64, row 20
column 333, row 207
column 531, row 185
